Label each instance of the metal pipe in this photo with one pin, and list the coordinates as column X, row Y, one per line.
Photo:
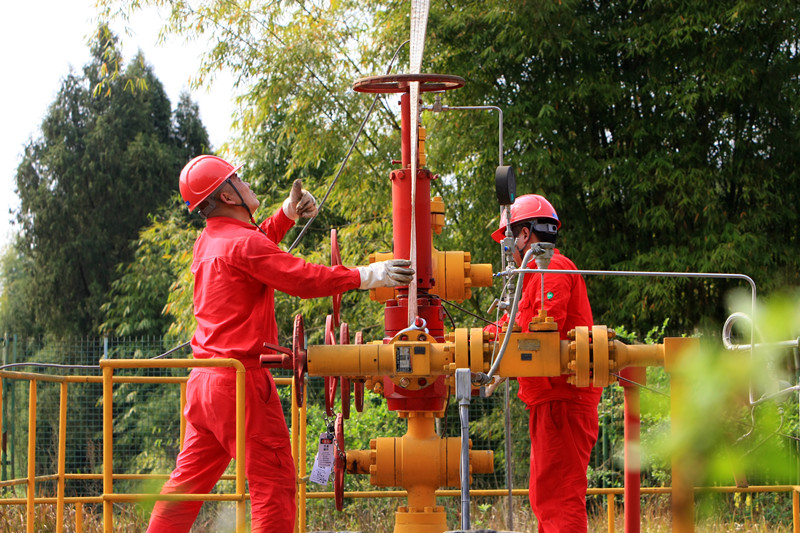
column 633, row 461
column 183, row 418
column 30, row 515
column 108, row 468
column 438, row 107
column 12, row 430
column 713, row 275
column 241, row 504
column 463, row 392
column 3, row 423
column 62, row 457
column 509, row 463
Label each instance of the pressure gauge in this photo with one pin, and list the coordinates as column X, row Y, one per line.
column 505, row 185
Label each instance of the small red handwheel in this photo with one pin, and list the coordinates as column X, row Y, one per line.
column 300, row 359
column 358, row 385
column 339, row 464
column 400, row 83
column 344, row 338
column 330, row 381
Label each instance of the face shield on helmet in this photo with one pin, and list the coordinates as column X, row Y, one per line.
column 530, row 207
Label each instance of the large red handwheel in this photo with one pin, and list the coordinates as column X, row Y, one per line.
column 358, row 385
column 330, row 381
column 336, row 260
column 344, row 338
column 300, row 359
column 400, row 83
column 339, row 463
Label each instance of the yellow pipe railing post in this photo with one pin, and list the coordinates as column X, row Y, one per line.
column 295, row 415
column 78, row 518
column 183, row 418
column 108, row 449
column 241, row 504
column 2, row 434
column 31, row 457
column 303, row 456
column 298, row 435
column 682, row 481
column 62, row 457
column 796, row 509
column 611, row 512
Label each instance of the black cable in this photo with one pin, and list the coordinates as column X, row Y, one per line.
column 175, row 349
column 645, row 387
column 463, row 310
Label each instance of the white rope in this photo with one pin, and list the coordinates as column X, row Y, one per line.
column 419, row 23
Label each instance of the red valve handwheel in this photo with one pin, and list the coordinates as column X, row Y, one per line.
column 339, row 463
column 400, row 83
column 336, row 260
column 358, row 385
column 344, row 338
column 330, row 381
column 300, row 359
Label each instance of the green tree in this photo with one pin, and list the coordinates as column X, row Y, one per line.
column 664, row 133
column 109, row 153
column 16, row 310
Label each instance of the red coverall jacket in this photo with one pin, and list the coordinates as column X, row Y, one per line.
column 237, row 270
column 563, row 418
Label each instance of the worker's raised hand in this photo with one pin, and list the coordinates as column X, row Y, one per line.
column 391, row 273
column 300, row 202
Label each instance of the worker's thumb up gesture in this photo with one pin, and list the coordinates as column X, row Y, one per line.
column 300, row 203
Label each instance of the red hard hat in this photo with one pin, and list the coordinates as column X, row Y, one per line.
column 527, row 206
column 201, row 176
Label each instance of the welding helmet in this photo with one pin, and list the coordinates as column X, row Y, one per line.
column 202, row 176
column 530, row 207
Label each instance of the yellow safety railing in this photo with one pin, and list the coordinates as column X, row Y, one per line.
column 239, row 496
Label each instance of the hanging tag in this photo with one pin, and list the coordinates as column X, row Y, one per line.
column 326, row 451
column 319, row 475
column 323, row 462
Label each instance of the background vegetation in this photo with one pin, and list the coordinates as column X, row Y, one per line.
column 665, row 133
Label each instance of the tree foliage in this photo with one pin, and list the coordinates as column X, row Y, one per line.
column 109, row 154
column 665, row 134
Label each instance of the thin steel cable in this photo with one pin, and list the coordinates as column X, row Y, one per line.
column 82, row 367
column 346, row 157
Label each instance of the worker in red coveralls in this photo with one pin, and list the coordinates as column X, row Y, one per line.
column 563, row 418
column 237, row 268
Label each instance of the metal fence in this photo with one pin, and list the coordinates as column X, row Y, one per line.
column 147, row 421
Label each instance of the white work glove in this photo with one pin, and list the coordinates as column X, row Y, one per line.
column 300, row 203
column 391, row 273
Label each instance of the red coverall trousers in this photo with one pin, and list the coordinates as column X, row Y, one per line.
column 210, row 444
column 562, row 436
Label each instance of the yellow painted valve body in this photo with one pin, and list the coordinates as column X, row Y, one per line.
column 420, row 462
